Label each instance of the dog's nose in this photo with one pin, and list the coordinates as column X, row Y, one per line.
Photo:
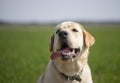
column 63, row 34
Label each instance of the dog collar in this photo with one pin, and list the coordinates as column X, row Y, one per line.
column 75, row 77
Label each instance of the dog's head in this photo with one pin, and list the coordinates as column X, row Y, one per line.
column 69, row 40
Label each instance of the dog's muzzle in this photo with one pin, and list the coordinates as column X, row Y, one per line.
column 65, row 51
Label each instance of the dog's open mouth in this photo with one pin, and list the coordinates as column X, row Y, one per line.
column 65, row 52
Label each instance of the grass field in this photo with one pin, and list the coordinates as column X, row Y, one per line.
column 24, row 53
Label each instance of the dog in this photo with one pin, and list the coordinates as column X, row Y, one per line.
column 69, row 47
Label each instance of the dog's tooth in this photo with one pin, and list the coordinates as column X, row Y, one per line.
column 73, row 50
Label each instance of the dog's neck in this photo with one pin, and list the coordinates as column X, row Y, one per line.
column 72, row 70
column 76, row 76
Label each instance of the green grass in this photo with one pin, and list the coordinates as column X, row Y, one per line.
column 23, row 54
column 105, row 55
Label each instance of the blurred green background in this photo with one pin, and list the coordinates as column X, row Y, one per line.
column 24, row 52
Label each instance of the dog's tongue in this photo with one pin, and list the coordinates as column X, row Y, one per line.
column 66, row 50
column 63, row 52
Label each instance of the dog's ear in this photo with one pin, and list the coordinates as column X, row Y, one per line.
column 89, row 40
column 51, row 42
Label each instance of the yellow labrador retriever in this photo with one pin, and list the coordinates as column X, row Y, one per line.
column 69, row 48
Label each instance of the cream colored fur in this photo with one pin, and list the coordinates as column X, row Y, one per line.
column 81, row 39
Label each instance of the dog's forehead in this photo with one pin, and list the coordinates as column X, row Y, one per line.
column 69, row 25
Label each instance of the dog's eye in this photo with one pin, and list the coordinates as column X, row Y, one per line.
column 74, row 30
column 57, row 31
